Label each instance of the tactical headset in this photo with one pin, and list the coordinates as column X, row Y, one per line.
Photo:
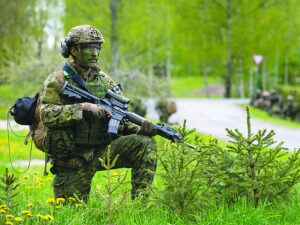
column 65, row 48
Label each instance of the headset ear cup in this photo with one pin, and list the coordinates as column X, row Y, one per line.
column 64, row 49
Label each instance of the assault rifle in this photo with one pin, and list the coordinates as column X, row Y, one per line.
column 118, row 106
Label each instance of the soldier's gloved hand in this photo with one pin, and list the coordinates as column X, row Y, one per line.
column 94, row 112
column 147, row 129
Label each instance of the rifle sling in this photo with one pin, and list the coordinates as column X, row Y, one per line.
column 75, row 76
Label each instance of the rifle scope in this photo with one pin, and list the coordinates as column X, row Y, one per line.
column 119, row 98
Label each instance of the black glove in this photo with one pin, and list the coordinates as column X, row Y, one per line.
column 147, row 129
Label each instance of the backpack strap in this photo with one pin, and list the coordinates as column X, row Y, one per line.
column 31, row 131
column 36, row 118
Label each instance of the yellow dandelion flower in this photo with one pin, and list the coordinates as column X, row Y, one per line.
column 25, row 177
column 48, row 179
column 35, row 172
column 37, row 178
column 25, row 212
column 20, row 171
column 78, row 205
column 7, row 209
column 39, row 215
column 38, row 186
column 9, row 216
column 60, row 200
column 50, row 200
column 48, row 217
column 123, row 174
column 99, row 186
column 2, row 210
column 57, row 207
column 114, row 174
column 30, row 205
column 9, row 223
column 18, row 219
column 24, row 183
column 72, row 199
column 29, row 214
column 3, row 206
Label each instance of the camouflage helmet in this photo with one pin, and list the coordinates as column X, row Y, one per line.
column 84, row 34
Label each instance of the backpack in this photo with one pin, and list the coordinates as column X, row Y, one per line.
column 26, row 111
column 171, row 107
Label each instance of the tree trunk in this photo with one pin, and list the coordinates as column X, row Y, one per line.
column 250, row 82
column 40, row 47
column 219, row 85
column 286, row 70
column 114, row 36
column 242, row 81
column 229, row 52
column 237, row 87
column 276, row 70
column 264, row 77
column 169, row 53
column 168, row 64
column 188, row 69
column 149, row 46
column 205, row 81
column 150, row 64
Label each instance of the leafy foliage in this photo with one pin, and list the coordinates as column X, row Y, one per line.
column 290, row 90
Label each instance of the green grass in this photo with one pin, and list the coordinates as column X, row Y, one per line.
column 36, row 189
column 188, row 87
column 263, row 115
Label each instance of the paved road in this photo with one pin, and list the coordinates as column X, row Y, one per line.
column 212, row 116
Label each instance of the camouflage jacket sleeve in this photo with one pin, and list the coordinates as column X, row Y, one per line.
column 53, row 112
column 129, row 128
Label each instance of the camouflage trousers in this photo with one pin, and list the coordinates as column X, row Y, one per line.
column 135, row 151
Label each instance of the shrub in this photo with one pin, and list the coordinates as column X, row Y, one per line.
column 254, row 167
column 290, row 90
column 186, row 175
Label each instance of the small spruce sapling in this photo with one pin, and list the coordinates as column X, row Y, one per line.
column 9, row 187
column 184, row 175
column 108, row 164
column 255, row 167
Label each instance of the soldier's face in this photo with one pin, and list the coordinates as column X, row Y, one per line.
column 88, row 55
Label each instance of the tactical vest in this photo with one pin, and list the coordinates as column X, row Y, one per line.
column 86, row 132
column 62, row 141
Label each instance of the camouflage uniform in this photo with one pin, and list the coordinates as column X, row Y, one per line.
column 255, row 98
column 290, row 108
column 165, row 109
column 138, row 107
column 74, row 143
column 276, row 103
